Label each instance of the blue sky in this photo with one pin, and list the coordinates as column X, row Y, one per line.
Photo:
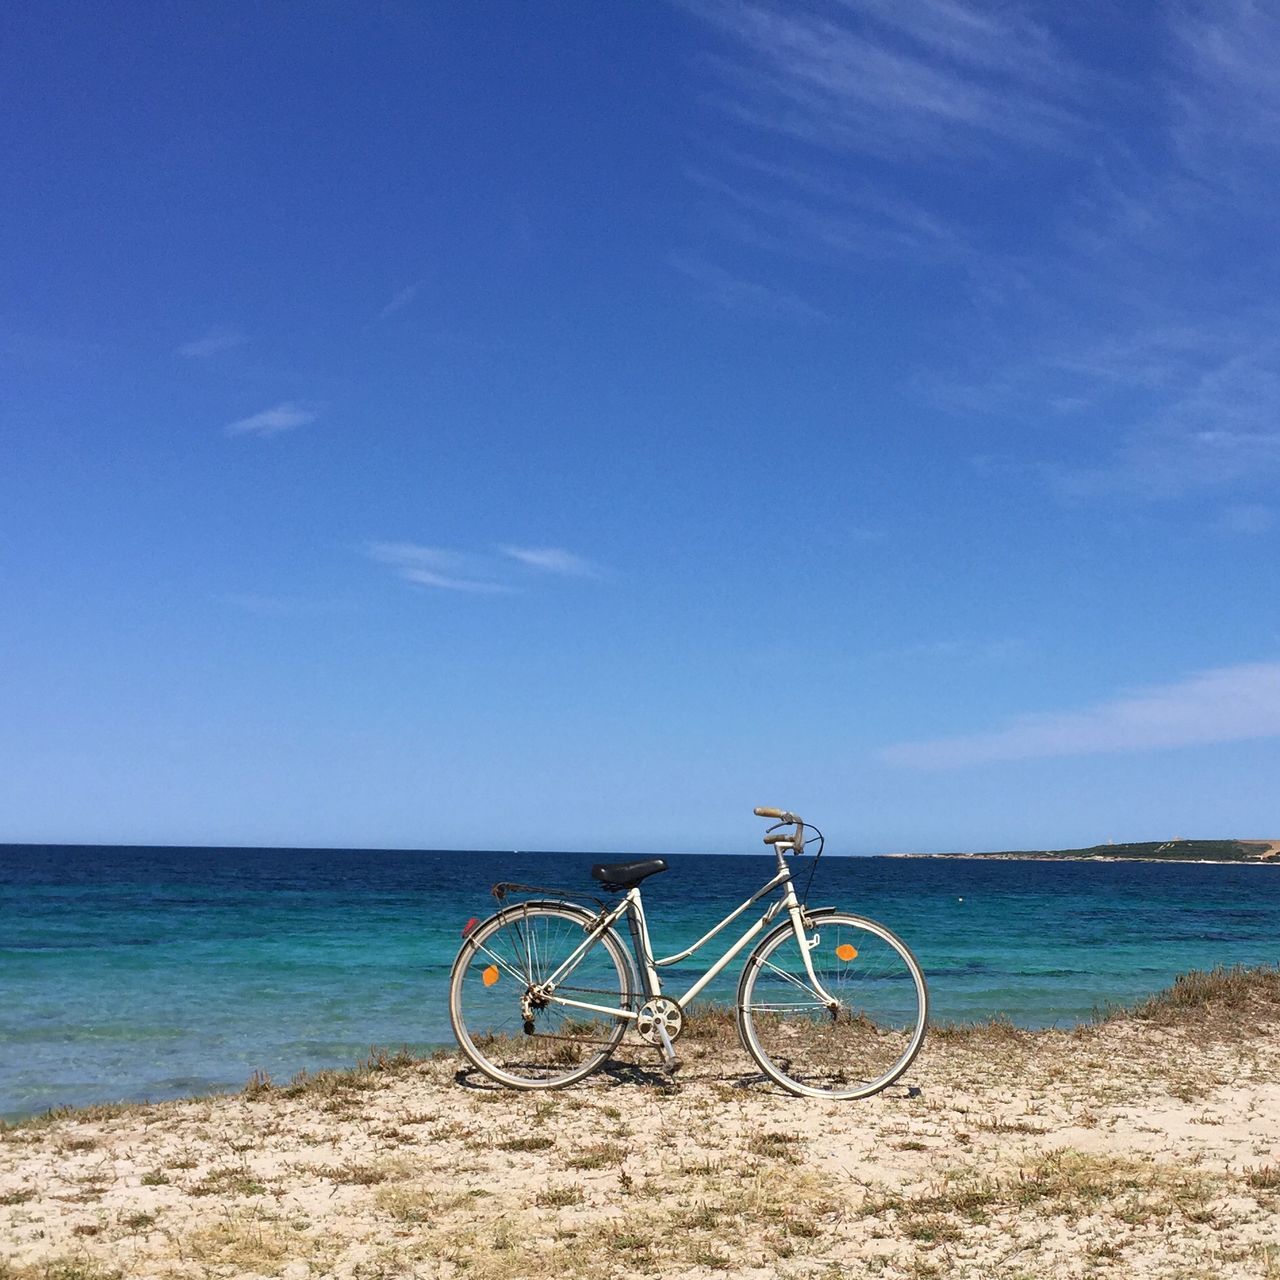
column 570, row 425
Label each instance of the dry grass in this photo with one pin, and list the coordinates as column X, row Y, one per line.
column 252, row 1243
column 597, row 1155
column 228, row 1181
column 63, row 1116
column 1215, row 999
column 64, row 1268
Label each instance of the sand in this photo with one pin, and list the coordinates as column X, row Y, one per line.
column 1145, row 1147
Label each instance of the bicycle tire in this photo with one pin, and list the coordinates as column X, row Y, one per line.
column 868, row 1042
column 498, row 962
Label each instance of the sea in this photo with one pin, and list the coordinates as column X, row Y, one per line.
column 150, row 973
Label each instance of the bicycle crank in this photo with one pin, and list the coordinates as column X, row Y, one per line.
column 657, row 1016
column 660, row 1022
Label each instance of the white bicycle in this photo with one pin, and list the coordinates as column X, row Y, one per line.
column 830, row 1005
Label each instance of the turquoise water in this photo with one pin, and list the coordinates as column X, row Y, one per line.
column 131, row 973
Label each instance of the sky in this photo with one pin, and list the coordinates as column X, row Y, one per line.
column 569, row 425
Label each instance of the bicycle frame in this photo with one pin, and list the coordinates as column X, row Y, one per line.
column 632, row 906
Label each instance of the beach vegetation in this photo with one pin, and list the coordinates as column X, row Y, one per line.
column 334, row 1087
column 999, row 1124
column 559, row 1197
column 996, row 1030
column 597, row 1156
column 95, row 1113
column 250, row 1242
column 360, row 1173
column 1223, row 991
column 257, row 1084
column 231, row 1180
column 64, row 1268
column 527, row 1142
column 774, row 1145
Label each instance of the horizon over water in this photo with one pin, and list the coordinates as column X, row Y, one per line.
column 158, row 971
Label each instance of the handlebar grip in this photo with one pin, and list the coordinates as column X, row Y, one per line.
column 762, row 812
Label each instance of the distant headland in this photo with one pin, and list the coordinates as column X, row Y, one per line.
column 1258, row 851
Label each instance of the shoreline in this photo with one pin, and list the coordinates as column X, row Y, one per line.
column 1054, row 857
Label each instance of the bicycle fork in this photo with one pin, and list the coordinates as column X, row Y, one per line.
column 806, row 953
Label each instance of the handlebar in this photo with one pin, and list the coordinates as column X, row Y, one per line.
column 783, row 815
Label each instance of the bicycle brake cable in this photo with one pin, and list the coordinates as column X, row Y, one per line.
column 822, row 844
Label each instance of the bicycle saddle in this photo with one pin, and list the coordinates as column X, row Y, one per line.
column 618, row 877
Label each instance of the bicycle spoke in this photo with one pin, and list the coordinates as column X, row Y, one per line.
column 791, row 978
column 501, row 963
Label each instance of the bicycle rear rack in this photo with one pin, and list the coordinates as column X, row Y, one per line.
column 503, row 890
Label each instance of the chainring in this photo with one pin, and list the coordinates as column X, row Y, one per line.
column 660, row 1012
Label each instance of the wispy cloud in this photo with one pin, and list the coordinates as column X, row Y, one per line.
column 441, row 568
column 506, row 570
column 213, row 342
column 744, row 297
column 850, row 122
column 430, row 578
column 923, row 77
column 1002, row 41
column 1226, row 96
column 401, row 300
column 1220, row 427
column 552, row 560
column 1229, row 704
column 799, row 212
column 270, row 422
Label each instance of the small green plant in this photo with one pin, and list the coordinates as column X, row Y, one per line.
column 775, row 1146
column 228, row 1181
column 597, row 1156
column 559, row 1197
column 531, row 1142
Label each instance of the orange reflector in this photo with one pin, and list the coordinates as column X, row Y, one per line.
column 847, row 952
column 490, row 975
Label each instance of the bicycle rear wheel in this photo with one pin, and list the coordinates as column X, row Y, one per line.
column 528, row 1042
column 860, row 1047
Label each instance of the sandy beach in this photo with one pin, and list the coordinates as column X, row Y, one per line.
column 1147, row 1144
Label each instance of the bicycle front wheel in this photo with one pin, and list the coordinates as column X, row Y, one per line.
column 855, row 1049
column 524, row 1039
